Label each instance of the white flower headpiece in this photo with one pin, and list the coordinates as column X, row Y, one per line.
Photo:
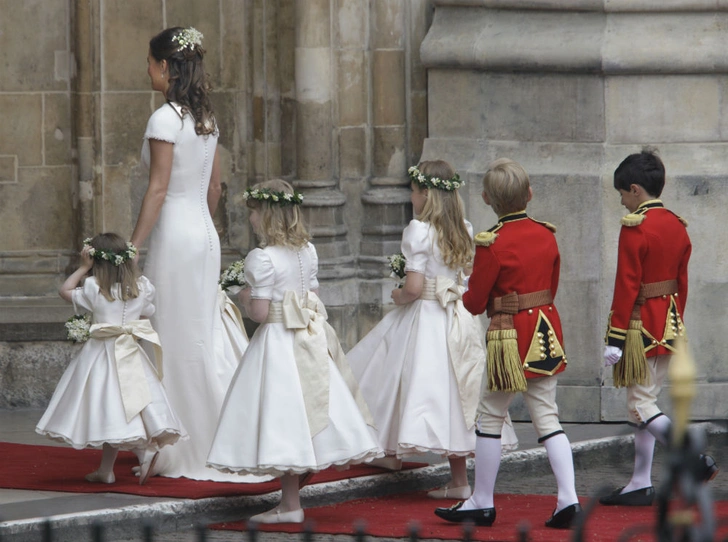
column 428, row 181
column 188, row 37
column 272, row 196
column 116, row 258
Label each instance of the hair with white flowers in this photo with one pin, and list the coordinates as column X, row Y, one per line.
column 109, row 272
column 189, row 85
column 444, row 209
column 280, row 224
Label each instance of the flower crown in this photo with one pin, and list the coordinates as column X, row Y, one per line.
column 116, row 258
column 428, row 181
column 188, row 37
column 271, row 196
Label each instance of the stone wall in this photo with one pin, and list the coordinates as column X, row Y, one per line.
column 329, row 94
column 568, row 89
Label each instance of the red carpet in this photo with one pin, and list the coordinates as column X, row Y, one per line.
column 51, row 468
column 389, row 517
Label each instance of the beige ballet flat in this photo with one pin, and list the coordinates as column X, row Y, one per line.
column 97, row 478
column 460, row 493
column 276, row 516
column 146, row 469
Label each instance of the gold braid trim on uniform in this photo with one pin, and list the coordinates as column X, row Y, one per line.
column 546, row 224
column 632, row 219
column 682, row 220
column 632, row 367
column 505, row 370
column 485, row 238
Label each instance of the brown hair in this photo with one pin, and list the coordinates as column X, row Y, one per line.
column 189, row 85
column 506, row 184
column 107, row 274
column 444, row 209
column 279, row 224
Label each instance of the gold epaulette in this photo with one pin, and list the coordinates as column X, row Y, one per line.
column 544, row 223
column 633, row 219
column 682, row 220
column 487, row 238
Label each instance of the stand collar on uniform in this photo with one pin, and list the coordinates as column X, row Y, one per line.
column 510, row 217
column 650, row 204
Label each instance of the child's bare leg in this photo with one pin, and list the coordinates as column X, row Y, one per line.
column 105, row 473
column 458, row 487
column 289, row 510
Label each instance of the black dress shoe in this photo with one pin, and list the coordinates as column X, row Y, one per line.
column 638, row 497
column 480, row 516
column 710, row 469
column 564, row 517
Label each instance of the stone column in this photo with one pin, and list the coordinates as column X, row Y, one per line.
column 316, row 172
column 85, row 115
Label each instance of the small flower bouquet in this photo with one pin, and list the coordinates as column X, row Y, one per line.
column 77, row 327
column 397, row 264
column 232, row 280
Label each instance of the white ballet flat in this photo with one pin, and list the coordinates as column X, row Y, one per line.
column 98, row 478
column 276, row 516
column 389, row 462
column 460, row 493
column 146, row 469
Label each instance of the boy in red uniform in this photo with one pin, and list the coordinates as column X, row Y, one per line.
column 515, row 277
column 650, row 292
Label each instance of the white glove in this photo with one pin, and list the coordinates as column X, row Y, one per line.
column 612, row 355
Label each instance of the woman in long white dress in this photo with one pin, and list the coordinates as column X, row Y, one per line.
column 180, row 149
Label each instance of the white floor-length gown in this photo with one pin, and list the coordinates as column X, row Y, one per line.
column 184, row 264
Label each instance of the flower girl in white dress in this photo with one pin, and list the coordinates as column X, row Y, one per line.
column 293, row 406
column 111, row 395
column 420, row 368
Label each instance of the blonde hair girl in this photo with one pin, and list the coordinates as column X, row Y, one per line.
column 419, row 375
column 294, row 354
column 99, row 401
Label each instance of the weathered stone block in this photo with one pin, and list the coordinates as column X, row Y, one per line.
column 126, row 116
column 388, row 30
column 117, row 201
column 353, row 88
column 313, row 22
column 126, row 29
column 235, row 53
column 647, row 109
column 352, row 17
column 21, row 133
column 352, row 153
column 57, row 129
column 313, row 122
column 388, row 87
column 388, row 153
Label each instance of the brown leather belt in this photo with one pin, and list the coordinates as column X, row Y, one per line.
column 650, row 290
column 513, row 303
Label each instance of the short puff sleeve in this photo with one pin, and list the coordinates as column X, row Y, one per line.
column 313, row 282
column 85, row 296
column 259, row 274
column 165, row 124
column 146, row 291
column 416, row 246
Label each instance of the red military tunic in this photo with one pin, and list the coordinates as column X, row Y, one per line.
column 520, row 255
column 654, row 246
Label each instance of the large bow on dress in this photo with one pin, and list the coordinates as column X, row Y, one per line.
column 228, row 307
column 465, row 344
column 314, row 341
column 130, row 358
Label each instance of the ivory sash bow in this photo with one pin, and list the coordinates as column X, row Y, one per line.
column 129, row 359
column 227, row 306
column 314, row 341
column 464, row 342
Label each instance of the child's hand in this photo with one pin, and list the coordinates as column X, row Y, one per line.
column 87, row 262
column 396, row 296
column 612, row 355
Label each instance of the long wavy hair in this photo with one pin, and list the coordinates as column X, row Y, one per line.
column 107, row 274
column 189, row 85
column 279, row 225
column 446, row 212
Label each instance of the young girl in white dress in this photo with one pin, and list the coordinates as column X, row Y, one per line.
column 420, row 368
column 293, row 406
column 111, row 395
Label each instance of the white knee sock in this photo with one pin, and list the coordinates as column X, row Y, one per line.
column 660, row 428
column 487, row 463
column 644, row 448
column 562, row 463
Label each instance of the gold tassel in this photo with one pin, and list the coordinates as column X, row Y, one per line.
column 632, row 368
column 505, row 370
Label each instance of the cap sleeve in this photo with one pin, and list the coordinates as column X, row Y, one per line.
column 416, row 246
column 313, row 283
column 165, row 124
column 469, row 227
column 260, row 274
column 147, row 292
column 85, row 296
